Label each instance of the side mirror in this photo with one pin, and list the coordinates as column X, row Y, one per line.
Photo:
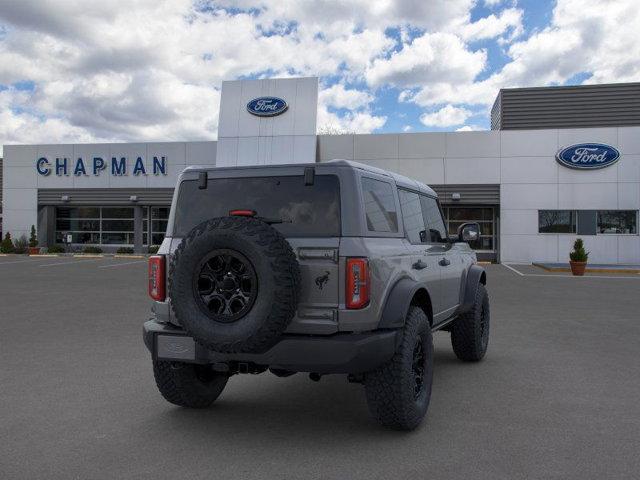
column 469, row 232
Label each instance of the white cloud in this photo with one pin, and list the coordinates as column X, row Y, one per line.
column 447, row 116
column 469, row 128
column 509, row 20
column 338, row 96
column 432, row 57
column 407, row 128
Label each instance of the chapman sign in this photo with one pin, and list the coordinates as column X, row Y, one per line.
column 267, row 106
column 96, row 165
column 588, row 156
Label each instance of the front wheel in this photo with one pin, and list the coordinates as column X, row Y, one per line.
column 399, row 391
column 188, row 385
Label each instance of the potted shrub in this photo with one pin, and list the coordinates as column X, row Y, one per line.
column 33, row 242
column 21, row 245
column 7, row 244
column 578, row 258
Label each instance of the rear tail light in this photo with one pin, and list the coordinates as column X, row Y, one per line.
column 157, row 277
column 357, row 283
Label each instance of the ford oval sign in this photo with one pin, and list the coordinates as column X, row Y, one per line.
column 588, row 156
column 267, row 106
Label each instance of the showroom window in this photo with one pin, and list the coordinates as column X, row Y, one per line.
column 556, row 221
column 484, row 216
column 618, row 221
column 95, row 225
column 159, row 219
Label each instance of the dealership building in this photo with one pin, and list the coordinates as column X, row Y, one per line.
column 559, row 162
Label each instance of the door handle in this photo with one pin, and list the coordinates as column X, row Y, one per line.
column 444, row 262
column 419, row 265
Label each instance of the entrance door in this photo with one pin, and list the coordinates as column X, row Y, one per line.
column 486, row 246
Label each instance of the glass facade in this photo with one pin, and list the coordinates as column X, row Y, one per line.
column 588, row 222
column 556, row 221
column 109, row 225
column 484, row 216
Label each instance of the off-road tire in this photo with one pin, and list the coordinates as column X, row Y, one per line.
column 390, row 389
column 470, row 331
column 188, row 385
column 278, row 284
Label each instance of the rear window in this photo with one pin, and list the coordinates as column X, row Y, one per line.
column 306, row 211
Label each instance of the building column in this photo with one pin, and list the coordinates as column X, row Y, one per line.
column 137, row 228
column 46, row 229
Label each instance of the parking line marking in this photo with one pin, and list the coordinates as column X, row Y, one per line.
column 121, row 264
column 513, row 270
column 565, row 276
column 70, row 263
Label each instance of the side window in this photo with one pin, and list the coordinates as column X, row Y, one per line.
column 412, row 216
column 379, row 206
column 436, row 232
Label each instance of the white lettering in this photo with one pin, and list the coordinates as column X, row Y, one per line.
column 588, row 155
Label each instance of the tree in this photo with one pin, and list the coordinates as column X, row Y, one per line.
column 7, row 244
column 33, row 239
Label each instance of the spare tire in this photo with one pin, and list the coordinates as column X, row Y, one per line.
column 234, row 284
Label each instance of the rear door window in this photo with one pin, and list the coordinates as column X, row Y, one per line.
column 379, row 206
column 304, row 210
column 412, row 216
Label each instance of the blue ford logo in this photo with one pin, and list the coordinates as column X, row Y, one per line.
column 267, row 106
column 588, row 156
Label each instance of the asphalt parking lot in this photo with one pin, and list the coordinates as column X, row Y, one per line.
column 558, row 395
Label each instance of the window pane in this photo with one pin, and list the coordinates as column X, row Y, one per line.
column 307, row 210
column 379, row 204
column 77, row 212
column 117, row 225
column 117, row 212
column 412, row 216
column 78, row 225
column 157, row 238
column 617, row 221
column 79, row 237
column 159, row 226
column 433, row 220
column 161, row 213
column 117, row 238
column 556, row 221
column 467, row 214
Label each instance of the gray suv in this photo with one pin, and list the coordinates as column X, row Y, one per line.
column 324, row 268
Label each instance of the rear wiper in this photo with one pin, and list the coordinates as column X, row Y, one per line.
column 271, row 221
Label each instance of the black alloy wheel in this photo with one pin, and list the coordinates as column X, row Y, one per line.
column 225, row 285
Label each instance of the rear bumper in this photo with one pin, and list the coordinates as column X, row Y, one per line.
column 339, row 353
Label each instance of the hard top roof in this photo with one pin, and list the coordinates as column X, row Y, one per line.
column 400, row 180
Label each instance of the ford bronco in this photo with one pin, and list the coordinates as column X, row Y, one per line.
column 327, row 268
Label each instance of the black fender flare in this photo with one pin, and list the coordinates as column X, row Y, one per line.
column 398, row 302
column 475, row 276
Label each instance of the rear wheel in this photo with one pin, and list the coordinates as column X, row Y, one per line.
column 188, row 385
column 399, row 391
column 470, row 331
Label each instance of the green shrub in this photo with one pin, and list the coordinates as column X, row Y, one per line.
column 92, row 250
column 154, row 248
column 7, row 244
column 579, row 254
column 124, row 250
column 33, row 238
column 55, row 249
column 21, row 244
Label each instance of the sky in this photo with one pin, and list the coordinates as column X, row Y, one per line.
column 75, row 71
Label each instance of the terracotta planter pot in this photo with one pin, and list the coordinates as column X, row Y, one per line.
column 578, row 268
column 34, row 250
